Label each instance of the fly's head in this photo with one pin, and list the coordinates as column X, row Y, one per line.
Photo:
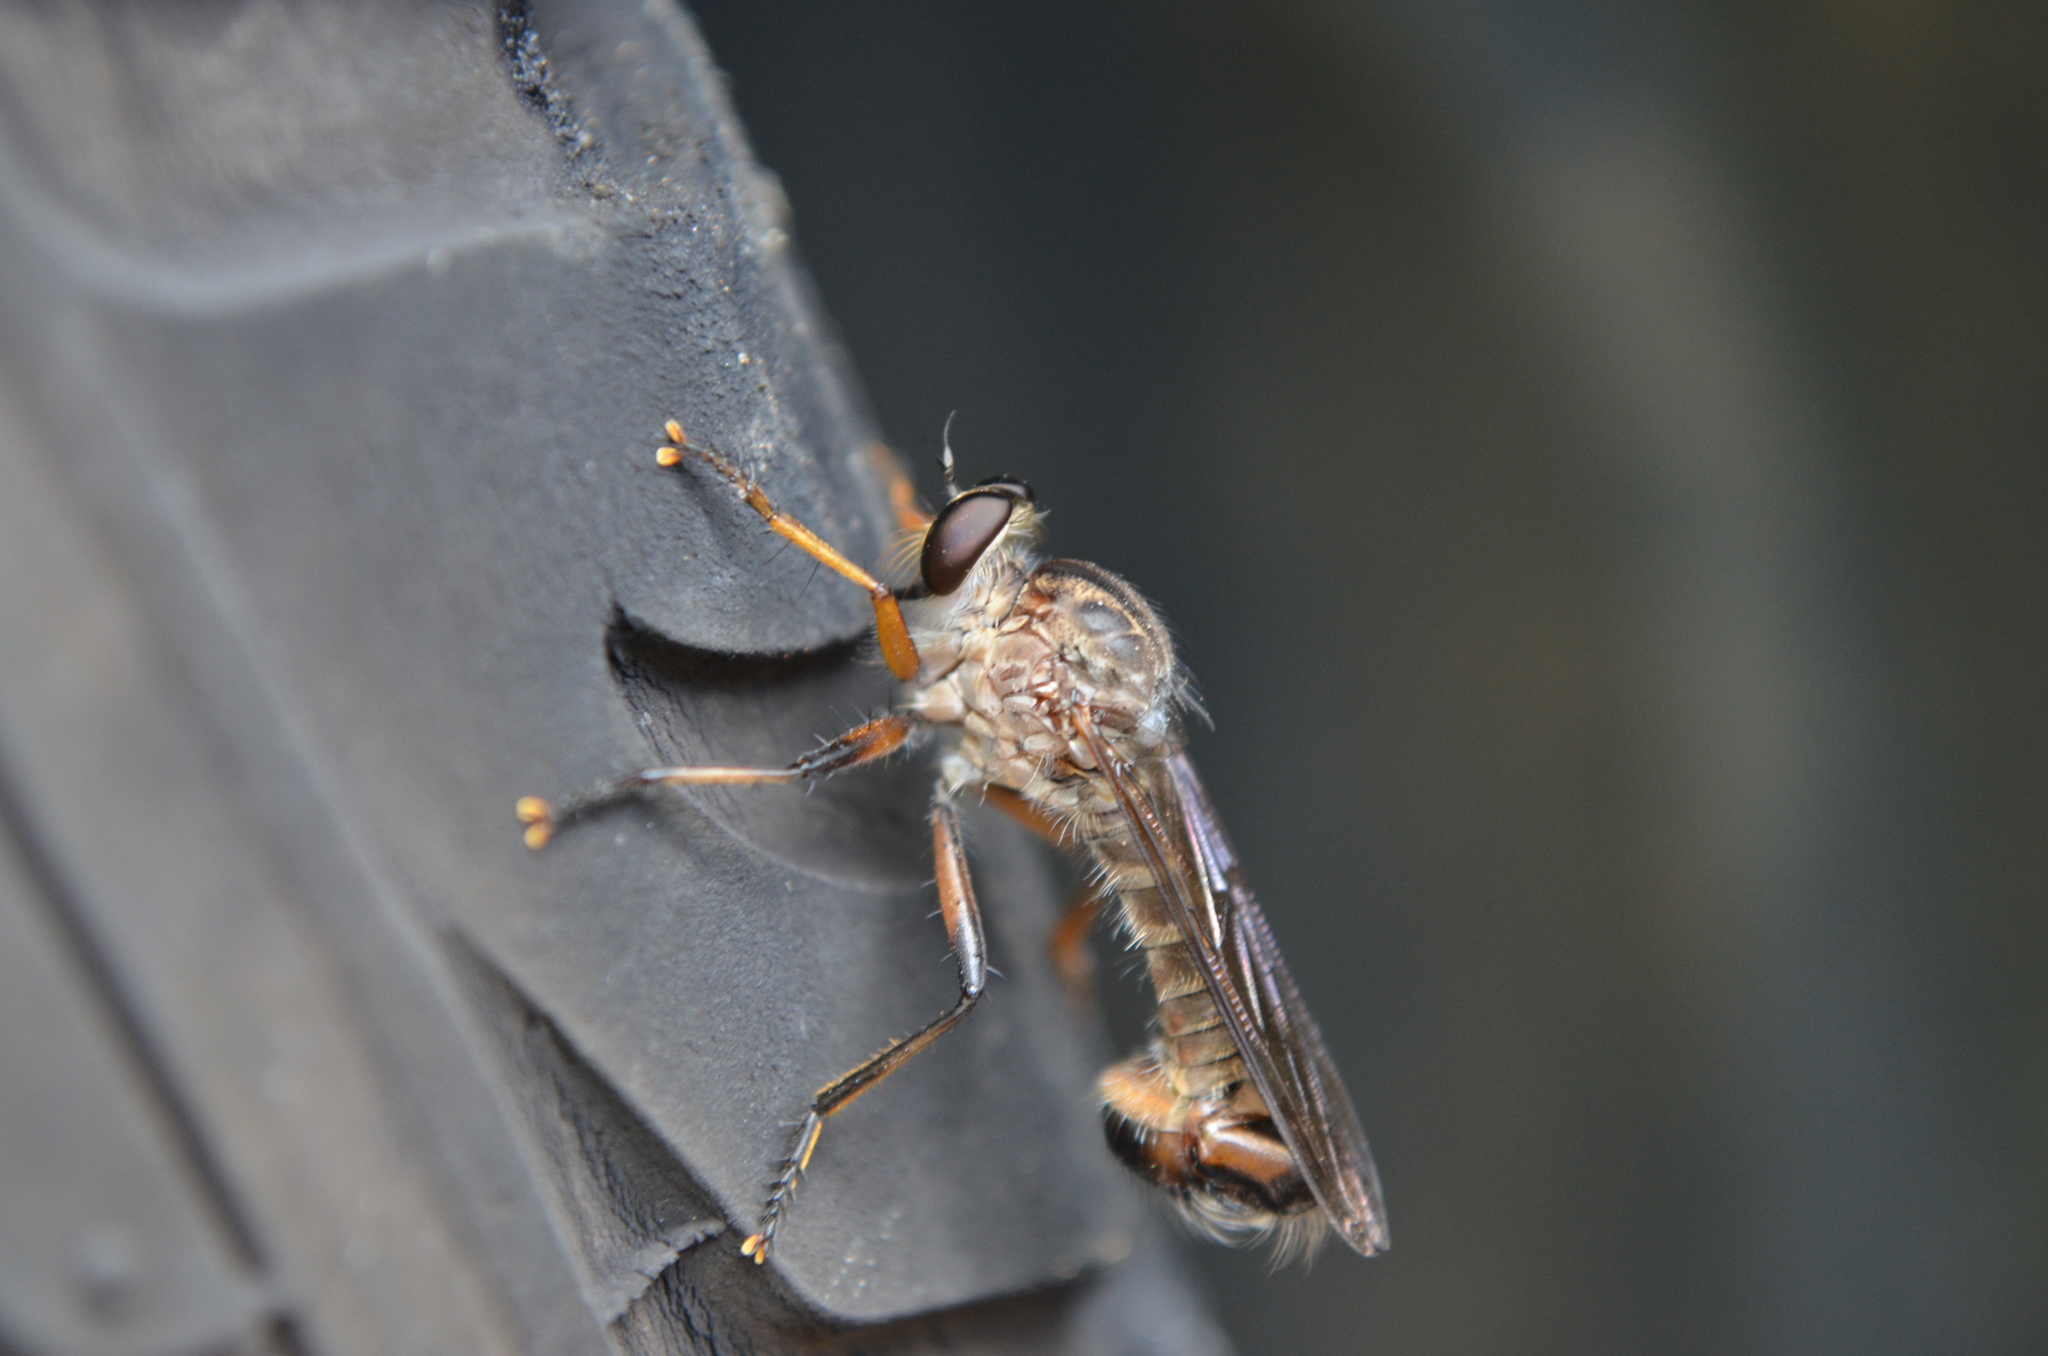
column 980, row 531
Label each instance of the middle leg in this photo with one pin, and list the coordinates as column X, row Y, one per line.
column 864, row 744
column 1069, row 941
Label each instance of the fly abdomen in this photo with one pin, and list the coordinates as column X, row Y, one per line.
column 1175, row 975
column 1199, row 1059
column 1189, row 1014
column 1196, row 1052
column 1230, row 1172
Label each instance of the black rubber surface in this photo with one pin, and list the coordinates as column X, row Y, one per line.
column 337, row 343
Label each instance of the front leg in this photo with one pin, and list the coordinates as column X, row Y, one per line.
column 898, row 650
column 970, row 953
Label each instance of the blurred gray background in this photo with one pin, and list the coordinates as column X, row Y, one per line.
column 1593, row 456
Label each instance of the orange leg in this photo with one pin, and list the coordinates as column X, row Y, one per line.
column 897, row 650
column 970, row 952
column 868, row 743
column 1070, row 937
column 1027, row 814
column 1069, row 944
column 902, row 494
column 875, row 740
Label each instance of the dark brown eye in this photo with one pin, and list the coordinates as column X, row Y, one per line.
column 1009, row 485
column 957, row 537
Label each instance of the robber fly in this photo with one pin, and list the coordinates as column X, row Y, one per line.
column 1057, row 693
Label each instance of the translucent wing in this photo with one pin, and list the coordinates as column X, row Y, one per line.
column 1198, row 875
column 1279, row 1040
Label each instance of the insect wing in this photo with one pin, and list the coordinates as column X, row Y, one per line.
column 1196, row 872
column 1279, row 1040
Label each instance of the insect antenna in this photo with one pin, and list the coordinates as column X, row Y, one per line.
column 946, row 456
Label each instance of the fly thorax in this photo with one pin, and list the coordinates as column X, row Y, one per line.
column 1002, row 691
column 955, row 636
column 1113, row 652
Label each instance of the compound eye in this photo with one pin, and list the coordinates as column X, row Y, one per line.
column 964, row 529
column 1009, row 485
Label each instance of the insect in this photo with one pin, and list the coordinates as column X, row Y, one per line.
column 1057, row 695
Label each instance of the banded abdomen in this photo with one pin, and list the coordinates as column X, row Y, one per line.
column 1183, row 1113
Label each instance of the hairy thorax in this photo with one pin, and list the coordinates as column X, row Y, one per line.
column 1025, row 647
